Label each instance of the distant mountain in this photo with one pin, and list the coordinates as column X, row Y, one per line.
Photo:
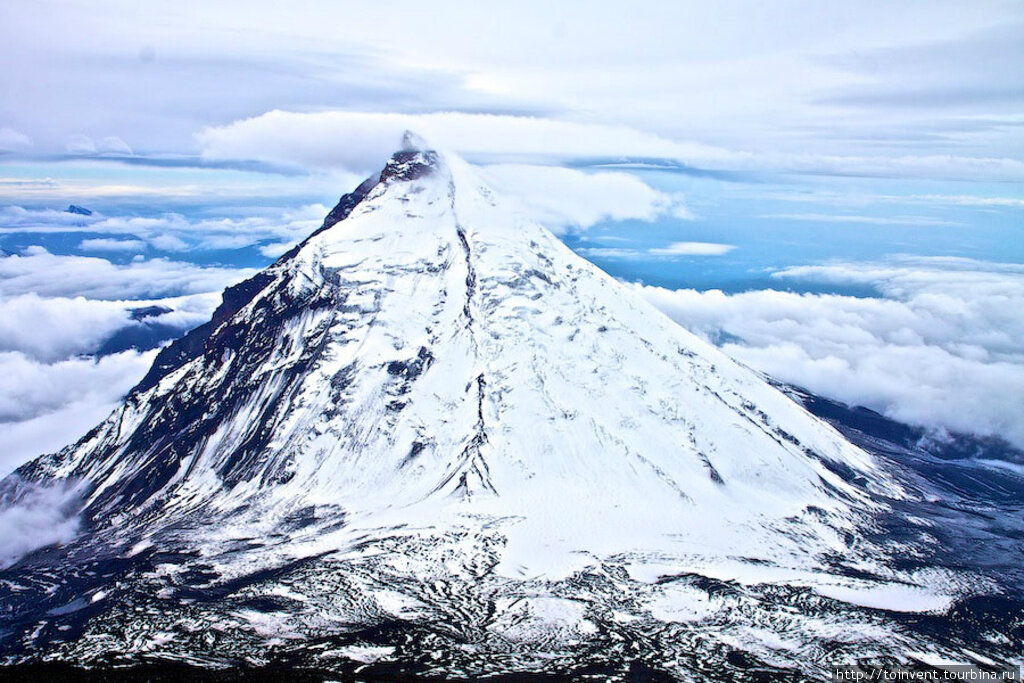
column 79, row 210
column 431, row 441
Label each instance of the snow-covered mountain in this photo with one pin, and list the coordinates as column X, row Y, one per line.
column 433, row 439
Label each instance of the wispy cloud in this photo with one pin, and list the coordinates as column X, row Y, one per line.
column 966, row 200
column 86, row 146
column 861, row 199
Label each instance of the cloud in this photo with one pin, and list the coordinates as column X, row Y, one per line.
column 11, row 140
column 40, row 516
column 52, row 329
column 49, row 432
column 693, row 249
column 166, row 242
column 861, row 199
column 564, row 198
column 863, row 220
column 33, row 388
column 113, row 145
column 676, row 250
column 52, row 394
column 362, row 142
column 170, row 232
column 831, row 80
column 20, row 219
column 942, row 347
column 80, row 144
column 38, row 271
column 970, row 200
column 276, row 249
column 982, row 67
column 83, row 145
column 560, row 198
column 106, row 244
column 46, row 406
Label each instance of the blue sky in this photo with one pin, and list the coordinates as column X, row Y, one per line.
column 834, row 193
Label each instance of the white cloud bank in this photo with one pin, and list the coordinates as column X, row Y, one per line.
column 54, row 329
column 943, row 347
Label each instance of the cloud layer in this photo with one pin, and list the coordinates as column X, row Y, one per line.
column 943, row 347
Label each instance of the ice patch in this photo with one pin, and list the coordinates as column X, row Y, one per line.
column 367, row 654
column 894, row 597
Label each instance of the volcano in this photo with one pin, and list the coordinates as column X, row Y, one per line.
column 432, row 441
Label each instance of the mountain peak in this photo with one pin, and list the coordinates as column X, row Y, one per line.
column 433, row 403
column 414, row 159
column 435, row 345
column 413, row 142
column 410, row 164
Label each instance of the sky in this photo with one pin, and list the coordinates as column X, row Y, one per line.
column 832, row 192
